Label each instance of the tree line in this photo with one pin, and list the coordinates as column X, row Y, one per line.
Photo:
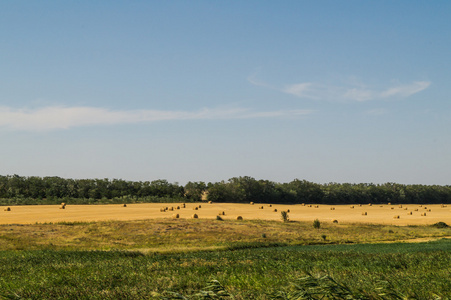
column 16, row 189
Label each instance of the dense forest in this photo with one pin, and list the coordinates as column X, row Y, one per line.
column 16, row 189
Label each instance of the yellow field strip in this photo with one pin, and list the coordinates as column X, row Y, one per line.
column 375, row 214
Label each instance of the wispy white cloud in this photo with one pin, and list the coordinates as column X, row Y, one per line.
column 347, row 92
column 56, row 117
column 406, row 90
column 352, row 93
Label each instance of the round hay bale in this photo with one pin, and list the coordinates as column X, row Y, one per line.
column 303, row 204
column 335, row 221
column 369, row 204
column 409, row 213
column 7, row 209
column 124, row 205
column 171, row 209
column 275, row 209
column 416, row 209
column 195, row 208
column 261, row 207
column 184, row 205
column 200, row 206
column 239, row 218
column 352, row 206
column 195, row 216
column 178, row 207
column 62, row 207
column 63, row 204
column 270, row 205
column 423, row 214
column 209, row 202
column 222, row 213
column 400, row 206
column 175, row 216
column 396, row 217
column 332, row 208
column 364, row 213
column 389, row 203
column 392, row 208
column 252, row 203
column 288, row 210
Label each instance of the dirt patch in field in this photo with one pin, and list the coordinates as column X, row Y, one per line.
column 343, row 214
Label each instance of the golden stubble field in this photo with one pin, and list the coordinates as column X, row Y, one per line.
column 375, row 214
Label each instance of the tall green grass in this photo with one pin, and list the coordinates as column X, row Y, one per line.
column 414, row 271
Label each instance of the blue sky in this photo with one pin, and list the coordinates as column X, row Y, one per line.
column 327, row 91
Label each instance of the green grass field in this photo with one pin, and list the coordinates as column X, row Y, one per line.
column 418, row 271
column 172, row 259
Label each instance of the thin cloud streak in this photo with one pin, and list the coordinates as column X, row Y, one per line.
column 56, row 117
column 359, row 93
column 343, row 93
column 406, row 90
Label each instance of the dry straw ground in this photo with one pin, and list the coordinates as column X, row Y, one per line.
column 344, row 214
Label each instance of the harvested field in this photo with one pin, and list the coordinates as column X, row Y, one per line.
column 380, row 214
